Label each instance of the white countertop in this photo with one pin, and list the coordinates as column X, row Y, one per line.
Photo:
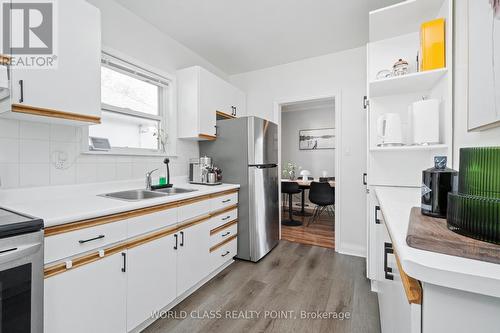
column 64, row 204
column 430, row 267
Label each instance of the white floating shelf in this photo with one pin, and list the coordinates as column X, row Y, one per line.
column 414, row 82
column 410, row 148
column 402, row 18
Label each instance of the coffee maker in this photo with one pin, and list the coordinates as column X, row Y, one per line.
column 199, row 169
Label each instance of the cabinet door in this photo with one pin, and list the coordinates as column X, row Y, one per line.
column 74, row 86
column 90, row 298
column 209, row 101
column 151, row 284
column 192, row 256
column 239, row 102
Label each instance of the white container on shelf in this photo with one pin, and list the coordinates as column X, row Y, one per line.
column 424, row 122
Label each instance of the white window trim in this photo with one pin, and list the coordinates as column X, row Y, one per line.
column 168, row 119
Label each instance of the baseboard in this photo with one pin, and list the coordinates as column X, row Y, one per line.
column 182, row 297
column 351, row 250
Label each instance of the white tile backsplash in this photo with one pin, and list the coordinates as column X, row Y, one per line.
column 34, row 151
column 29, row 150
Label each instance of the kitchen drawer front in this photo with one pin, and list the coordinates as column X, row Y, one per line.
column 190, row 211
column 79, row 241
column 223, row 201
column 222, row 254
column 146, row 223
column 223, row 218
column 223, row 234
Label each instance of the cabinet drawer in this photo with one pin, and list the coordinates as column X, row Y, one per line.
column 146, row 223
column 198, row 208
column 223, row 234
column 222, row 254
column 74, row 242
column 223, row 218
column 223, row 201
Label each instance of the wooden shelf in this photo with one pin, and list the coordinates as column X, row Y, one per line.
column 410, row 148
column 414, row 82
column 402, row 18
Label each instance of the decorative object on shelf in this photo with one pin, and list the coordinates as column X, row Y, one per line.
column 484, row 63
column 437, row 182
column 323, row 138
column 289, row 171
column 474, row 210
column 424, row 122
column 389, row 130
column 401, row 67
column 432, row 45
column 384, row 74
column 305, row 174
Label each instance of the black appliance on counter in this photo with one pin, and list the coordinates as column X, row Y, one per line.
column 437, row 182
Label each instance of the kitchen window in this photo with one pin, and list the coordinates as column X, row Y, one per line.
column 134, row 108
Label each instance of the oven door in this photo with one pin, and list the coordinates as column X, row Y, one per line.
column 21, row 283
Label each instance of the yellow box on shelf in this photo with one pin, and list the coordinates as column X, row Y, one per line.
column 432, row 45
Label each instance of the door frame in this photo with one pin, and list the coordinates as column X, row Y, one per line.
column 337, row 97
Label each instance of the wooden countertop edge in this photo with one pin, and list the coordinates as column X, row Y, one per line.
column 412, row 287
column 77, row 225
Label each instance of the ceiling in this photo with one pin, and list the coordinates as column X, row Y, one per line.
column 313, row 104
column 240, row 35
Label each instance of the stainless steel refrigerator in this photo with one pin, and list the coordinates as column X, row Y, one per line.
column 246, row 150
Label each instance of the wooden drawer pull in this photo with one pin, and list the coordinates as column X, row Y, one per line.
column 225, row 254
column 83, row 241
column 227, row 233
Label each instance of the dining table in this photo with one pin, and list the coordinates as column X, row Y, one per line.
column 305, row 185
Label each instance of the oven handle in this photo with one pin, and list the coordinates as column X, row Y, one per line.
column 15, row 253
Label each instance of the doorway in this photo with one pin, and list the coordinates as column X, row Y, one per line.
column 308, row 162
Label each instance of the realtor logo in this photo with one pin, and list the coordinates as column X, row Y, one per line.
column 28, row 30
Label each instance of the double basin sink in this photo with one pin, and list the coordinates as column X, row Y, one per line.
column 137, row 195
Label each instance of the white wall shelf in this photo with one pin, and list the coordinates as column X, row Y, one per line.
column 402, row 18
column 410, row 148
column 414, row 82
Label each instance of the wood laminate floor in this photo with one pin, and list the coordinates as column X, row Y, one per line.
column 292, row 278
column 319, row 233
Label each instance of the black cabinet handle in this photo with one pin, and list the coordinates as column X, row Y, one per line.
column 226, row 201
column 124, row 256
column 182, row 238
column 21, row 97
column 226, row 218
column 176, row 241
column 225, row 254
column 364, row 179
column 377, row 220
column 227, row 233
column 388, row 270
column 83, row 241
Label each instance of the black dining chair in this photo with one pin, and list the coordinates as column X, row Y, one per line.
column 290, row 188
column 323, row 196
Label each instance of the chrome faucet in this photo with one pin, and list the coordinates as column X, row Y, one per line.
column 148, row 179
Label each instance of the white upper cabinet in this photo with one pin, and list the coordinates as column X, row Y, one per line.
column 202, row 97
column 71, row 92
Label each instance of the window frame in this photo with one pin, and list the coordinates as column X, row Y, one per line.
column 166, row 104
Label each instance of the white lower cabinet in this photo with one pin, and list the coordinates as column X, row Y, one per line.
column 192, row 256
column 151, row 279
column 91, row 298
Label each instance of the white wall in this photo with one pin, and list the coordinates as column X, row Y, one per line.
column 313, row 160
column 322, row 76
column 26, row 147
column 461, row 137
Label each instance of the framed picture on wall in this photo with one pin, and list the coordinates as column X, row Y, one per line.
column 484, row 64
column 321, row 138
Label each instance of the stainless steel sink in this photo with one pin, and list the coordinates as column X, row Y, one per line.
column 134, row 195
column 175, row 190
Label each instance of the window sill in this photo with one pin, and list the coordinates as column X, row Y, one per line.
column 127, row 153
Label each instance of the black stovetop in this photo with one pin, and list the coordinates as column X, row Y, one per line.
column 13, row 223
